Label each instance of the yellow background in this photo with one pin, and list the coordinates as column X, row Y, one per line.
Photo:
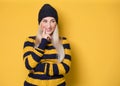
column 92, row 28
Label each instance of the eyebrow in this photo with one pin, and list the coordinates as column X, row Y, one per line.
column 52, row 19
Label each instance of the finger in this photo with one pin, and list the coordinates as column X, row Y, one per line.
column 48, row 37
column 43, row 31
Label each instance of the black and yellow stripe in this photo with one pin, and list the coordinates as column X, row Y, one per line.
column 43, row 60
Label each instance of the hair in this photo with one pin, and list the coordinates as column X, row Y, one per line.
column 56, row 41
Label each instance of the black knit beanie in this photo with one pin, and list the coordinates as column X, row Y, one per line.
column 47, row 11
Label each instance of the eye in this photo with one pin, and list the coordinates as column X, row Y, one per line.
column 53, row 21
column 45, row 21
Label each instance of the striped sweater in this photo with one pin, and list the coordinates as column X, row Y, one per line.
column 43, row 60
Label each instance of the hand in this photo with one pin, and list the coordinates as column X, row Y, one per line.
column 42, row 35
column 46, row 36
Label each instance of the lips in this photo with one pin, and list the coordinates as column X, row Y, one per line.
column 48, row 30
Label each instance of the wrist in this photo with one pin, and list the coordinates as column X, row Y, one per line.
column 43, row 43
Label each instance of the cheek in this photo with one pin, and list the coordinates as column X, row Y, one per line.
column 53, row 27
column 42, row 26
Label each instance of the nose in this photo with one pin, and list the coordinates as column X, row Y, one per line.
column 48, row 25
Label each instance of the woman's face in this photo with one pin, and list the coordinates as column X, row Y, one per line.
column 48, row 24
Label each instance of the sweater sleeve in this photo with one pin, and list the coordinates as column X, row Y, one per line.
column 63, row 67
column 31, row 55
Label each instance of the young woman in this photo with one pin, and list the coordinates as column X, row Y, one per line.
column 46, row 55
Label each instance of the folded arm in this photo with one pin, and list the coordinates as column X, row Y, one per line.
column 31, row 55
column 60, row 68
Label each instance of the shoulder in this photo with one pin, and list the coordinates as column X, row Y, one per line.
column 29, row 41
column 64, row 40
column 30, row 38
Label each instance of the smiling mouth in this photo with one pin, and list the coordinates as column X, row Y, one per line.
column 48, row 30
